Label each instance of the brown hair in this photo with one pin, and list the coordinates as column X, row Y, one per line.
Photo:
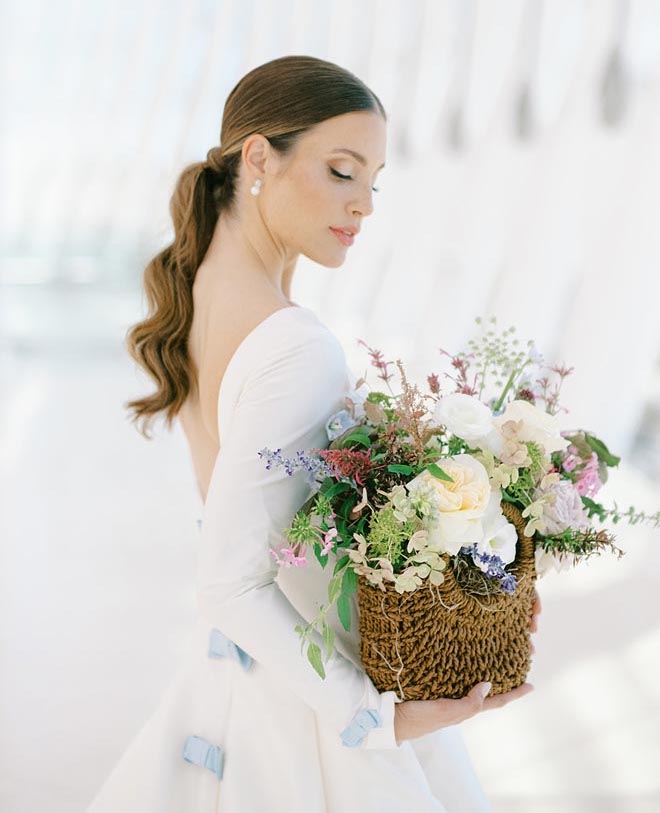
column 280, row 99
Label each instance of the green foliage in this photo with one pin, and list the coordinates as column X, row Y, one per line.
column 341, row 563
column 320, row 558
column 522, row 490
column 594, row 508
column 582, row 544
column 314, row 657
column 436, row 471
column 322, row 505
column 328, row 638
column 301, row 529
column 601, row 450
column 456, row 445
column 335, row 487
column 537, row 456
column 497, row 356
column 356, row 435
column 387, row 536
column 400, row 468
column 344, row 611
column 633, row 517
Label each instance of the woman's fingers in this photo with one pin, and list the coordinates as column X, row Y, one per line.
column 536, row 609
column 498, row 700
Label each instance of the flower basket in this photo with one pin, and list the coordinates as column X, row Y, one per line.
column 440, row 641
column 441, row 510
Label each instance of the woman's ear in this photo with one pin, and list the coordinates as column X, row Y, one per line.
column 255, row 155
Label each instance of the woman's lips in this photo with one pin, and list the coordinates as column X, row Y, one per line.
column 346, row 239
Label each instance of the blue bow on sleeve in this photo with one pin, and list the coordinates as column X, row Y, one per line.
column 222, row 647
column 200, row 752
column 363, row 722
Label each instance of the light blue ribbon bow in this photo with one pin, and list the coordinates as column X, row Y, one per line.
column 363, row 722
column 200, row 752
column 222, row 647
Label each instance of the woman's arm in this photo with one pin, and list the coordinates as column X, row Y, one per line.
column 297, row 383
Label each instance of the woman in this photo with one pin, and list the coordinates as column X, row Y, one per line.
column 248, row 725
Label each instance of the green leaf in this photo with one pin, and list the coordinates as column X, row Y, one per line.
column 328, row 638
column 341, row 563
column 336, row 488
column 400, row 468
column 334, row 587
column 601, row 450
column 593, row 508
column 357, row 437
column 436, row 471
column 344, row 612
column 314, row 657
column 349, row 582
column 321, row 557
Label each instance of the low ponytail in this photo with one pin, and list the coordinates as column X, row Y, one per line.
column 159, row 343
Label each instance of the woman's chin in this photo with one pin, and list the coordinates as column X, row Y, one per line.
column 328, row 260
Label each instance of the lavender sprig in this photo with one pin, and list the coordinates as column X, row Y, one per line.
column 317, row 469
column 495, row 568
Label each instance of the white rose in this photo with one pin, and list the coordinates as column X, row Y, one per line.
column 463, row 415
column 499, row 535
column 537, row 425
column 458, row 506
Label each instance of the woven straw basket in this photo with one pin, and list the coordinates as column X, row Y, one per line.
column 440, row 641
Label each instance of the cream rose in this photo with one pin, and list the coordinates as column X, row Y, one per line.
column 458, row 506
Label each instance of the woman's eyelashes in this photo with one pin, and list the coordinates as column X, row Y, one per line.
column 348, row 178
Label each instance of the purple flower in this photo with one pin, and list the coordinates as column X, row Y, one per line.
column 317, row 469
column 492, row 566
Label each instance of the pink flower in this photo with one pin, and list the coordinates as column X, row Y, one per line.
column 328, row 540
column 572, row 458
column 289, row 557
column 588, row 481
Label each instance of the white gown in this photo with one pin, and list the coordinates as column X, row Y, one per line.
column 260, row 729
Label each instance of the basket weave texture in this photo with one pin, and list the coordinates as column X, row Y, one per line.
column 440, row 641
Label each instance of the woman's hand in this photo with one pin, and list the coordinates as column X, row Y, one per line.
column 415, row 718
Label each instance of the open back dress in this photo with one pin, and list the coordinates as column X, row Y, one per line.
column 247, row 725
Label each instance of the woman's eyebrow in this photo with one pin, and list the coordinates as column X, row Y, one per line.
column 355, row 155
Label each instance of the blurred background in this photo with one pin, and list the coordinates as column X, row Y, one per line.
column 522, row 181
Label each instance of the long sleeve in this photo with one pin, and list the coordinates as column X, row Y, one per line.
column 290, row 389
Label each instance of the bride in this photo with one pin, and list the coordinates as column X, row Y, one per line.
column 246, row 725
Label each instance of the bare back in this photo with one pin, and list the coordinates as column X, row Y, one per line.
column 223, row 316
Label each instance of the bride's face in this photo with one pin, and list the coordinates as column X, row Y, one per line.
column 327, row 182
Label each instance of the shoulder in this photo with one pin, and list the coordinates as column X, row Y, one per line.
column 293, row 341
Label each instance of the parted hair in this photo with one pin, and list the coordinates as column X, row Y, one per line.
column 281, row 100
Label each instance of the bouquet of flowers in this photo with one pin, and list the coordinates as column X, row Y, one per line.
column 441, row 509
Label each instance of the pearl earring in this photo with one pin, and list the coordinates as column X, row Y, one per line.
column 255, row 188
